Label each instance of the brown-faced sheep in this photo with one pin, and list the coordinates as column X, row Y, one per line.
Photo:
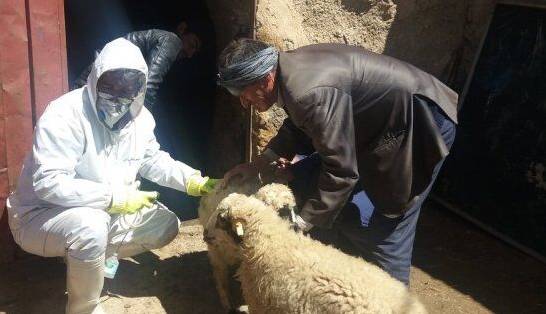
column 282, row 271
column 223, row 255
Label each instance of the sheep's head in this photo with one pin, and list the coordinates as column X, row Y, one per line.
column 220, row 239
column 279, row 197
column 239, row 215
column 217, row 232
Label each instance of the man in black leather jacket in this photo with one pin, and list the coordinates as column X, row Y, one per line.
column 160, row 49
column 376, row 131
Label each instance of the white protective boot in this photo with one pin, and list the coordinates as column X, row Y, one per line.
column 84, row 281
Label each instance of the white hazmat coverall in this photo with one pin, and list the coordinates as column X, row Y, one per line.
column 68, row 180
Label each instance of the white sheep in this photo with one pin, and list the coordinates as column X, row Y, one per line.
column 223, row 255
column 282, row 271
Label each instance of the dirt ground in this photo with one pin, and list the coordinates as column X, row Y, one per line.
column 457, row 269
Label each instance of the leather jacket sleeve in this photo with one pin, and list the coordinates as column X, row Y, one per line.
column 160, row 49
column 327, row 117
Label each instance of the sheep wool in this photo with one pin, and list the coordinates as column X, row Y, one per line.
column 224, row 255
column 282, row 271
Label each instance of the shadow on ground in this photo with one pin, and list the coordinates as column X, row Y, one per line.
column 500, row 278
column 32, row 285
column 144, row 284
column 183, row 284
column 457, row 269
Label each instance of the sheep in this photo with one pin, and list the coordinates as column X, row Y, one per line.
column 223, row 256
column 283, row 271
column 280, row 198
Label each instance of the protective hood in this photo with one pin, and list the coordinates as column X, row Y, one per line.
column 117, row 54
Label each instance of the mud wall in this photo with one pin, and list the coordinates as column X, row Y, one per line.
column 438, row 36
column 231, row 18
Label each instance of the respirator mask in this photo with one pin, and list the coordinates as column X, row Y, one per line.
column 117, row 91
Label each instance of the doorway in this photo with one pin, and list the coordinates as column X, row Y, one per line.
column 184, row 110
column 497, row 168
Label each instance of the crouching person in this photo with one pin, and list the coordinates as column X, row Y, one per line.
column 78, row 189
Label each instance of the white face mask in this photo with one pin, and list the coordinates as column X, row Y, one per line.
column 111, row 109
column 117, row 92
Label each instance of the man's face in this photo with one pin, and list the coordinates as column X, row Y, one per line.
column 191, row 44
column 261, row 95
column 116, row 91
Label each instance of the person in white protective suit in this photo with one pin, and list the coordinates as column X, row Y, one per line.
column 78, row 186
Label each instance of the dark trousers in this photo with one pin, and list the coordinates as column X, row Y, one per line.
column 362, row 231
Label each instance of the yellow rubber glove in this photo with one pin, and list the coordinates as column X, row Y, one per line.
column 199, row 186
column 129, row 201
column 209, row 186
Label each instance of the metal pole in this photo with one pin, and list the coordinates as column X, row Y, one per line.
column 249, row 144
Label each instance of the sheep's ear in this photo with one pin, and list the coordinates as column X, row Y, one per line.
column 239, row 230
column 222, row 221
column 234, row 230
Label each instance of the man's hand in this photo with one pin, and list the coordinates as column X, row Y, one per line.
column 282, row 170
column 209, row 186
column 131, row 200
column 200, row 186
column 260, row 164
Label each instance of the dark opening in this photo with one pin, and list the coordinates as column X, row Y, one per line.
column 497, row 171
column 184, row 109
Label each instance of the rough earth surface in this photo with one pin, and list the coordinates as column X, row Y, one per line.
column 457, row 269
